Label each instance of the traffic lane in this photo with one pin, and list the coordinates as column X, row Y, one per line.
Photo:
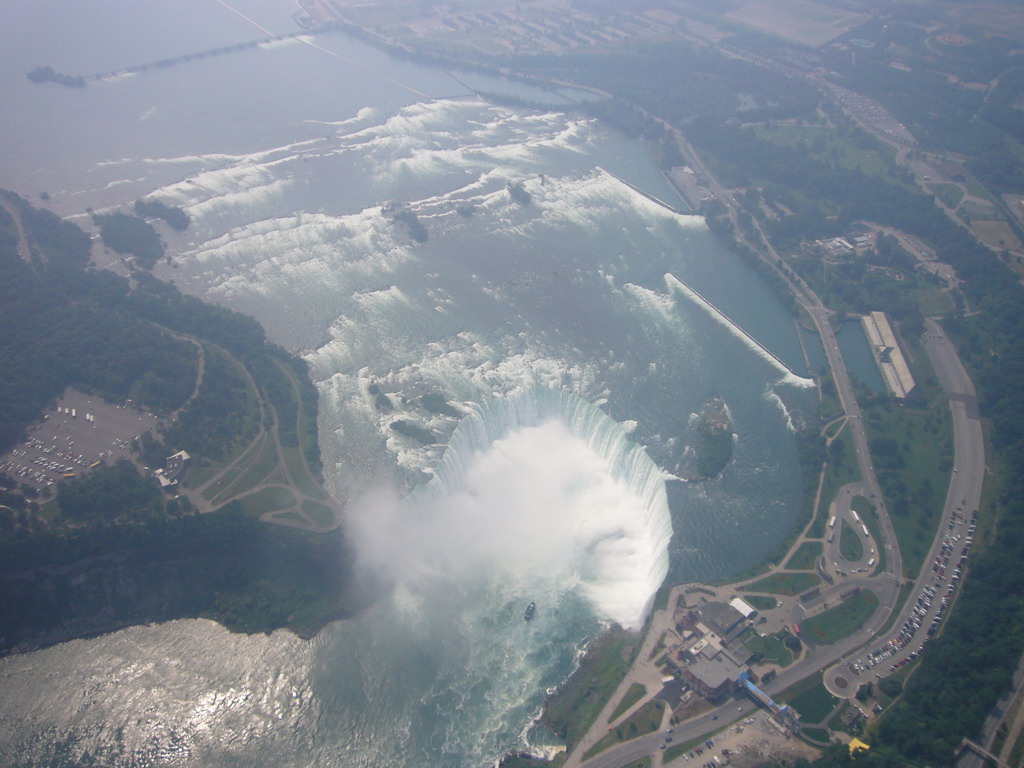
column 623, row 754
column 935, row 586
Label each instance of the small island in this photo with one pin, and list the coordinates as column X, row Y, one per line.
column 714, row 447
column 49, row 75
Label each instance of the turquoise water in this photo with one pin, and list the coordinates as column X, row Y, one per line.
column 285, row 157
column 857, row 355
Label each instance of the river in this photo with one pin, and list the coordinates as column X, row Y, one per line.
column 555, row 328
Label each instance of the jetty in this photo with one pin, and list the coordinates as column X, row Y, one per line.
column 648, row 195
column 738, row 330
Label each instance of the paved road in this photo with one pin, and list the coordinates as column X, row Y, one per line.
column 837, row 660
column 935, row 585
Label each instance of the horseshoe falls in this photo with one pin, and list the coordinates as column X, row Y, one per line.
column 590, row 492
column 507, row 394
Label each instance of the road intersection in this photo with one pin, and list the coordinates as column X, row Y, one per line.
column 855, row 659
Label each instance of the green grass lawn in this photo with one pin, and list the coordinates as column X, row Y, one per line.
column 841, row 468
column 830, row 403
column 321, row 513
column 949, row 194
column 842, row 620
column 810, row 698
column 913, row 470
column 633, row 695
column 761, row 602
column 570, row 711
column 298, row 474
column 645, row 720
column 826, row 144
column 932, row 299
column 784, row 583
column 803, row 559
column 678, row 750
column 259, row 465
column 850, row 546
column 267, row 500
column 771, row 648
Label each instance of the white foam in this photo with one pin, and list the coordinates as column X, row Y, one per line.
column 541, row 488
column 788, row 376
column 773, row 397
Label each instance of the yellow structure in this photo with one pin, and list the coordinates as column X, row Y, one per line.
column 857, row 746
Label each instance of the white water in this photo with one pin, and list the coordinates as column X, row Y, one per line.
column 674, row 283
column 548, row 486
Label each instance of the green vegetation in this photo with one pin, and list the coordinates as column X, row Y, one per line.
column 714, row 448
column 223, row 416
column 572, row 708
column 803, row 559
column 224, row 565
column 48, row 75
column 869, row 516
column 111, row 550
column 850, row 546
column 678, row 750
column 810, row 698
column 841, row 469
column 436, row 403
column 784, row 583
column 320, row 513
column 949, row 194
column 633, row 695
column 298, row 474
column 761, row 602
column 844, row 146
column 59, row 330
column 175, row 217
column 130, row 235
column 110, row 494
column 267, row 500
column 811, row 451
column 912, row 449
column 842, row 620
column 518, row 192
column 818, row 735
column 770, row 649
column 645, row 720
column 412, row 223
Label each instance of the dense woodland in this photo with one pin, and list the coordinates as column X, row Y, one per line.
column 130, row 235
column 174, row 217
column 55, row 335
column 128, row 553
column 226, row 566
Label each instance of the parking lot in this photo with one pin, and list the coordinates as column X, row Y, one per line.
column 72, row 436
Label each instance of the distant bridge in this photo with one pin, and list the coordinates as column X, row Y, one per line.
column 170, row 62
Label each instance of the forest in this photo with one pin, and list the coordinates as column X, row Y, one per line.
column 226, row 566
column 58, row 331
column 128, row 553
column 130, row 235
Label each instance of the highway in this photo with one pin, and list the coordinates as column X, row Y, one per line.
column 845, row 662
column 935, row 587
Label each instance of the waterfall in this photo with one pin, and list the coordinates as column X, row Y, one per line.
column 614, row 519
